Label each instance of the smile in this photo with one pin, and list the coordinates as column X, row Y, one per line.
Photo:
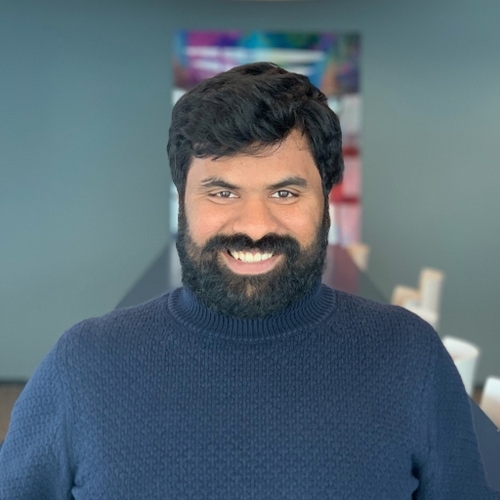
column 250, row 257
column 250, row 263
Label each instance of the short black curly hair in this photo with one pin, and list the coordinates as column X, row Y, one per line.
column 247, row 108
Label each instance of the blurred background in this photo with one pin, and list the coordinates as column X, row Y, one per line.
column 85, row 102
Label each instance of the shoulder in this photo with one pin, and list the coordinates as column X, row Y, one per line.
column 376, row 314
column 384, row 326
column 121, row 326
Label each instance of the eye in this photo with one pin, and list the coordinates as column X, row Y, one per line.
column 283, row 194
column 223, row 194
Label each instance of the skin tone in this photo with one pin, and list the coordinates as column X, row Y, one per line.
column 277, row 191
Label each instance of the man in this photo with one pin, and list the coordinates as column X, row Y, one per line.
column 253, row 381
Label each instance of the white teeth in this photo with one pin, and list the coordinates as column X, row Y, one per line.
column 249, row 257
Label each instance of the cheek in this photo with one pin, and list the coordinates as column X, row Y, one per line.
column 303, row 224
column 305, row 229
column 202, row 222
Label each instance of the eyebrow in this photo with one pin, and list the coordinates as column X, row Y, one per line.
column 289, row 181
column 212, row 182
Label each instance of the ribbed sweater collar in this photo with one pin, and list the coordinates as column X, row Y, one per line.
column 303, row 315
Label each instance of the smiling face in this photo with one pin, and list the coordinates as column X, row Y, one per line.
column 253, row 229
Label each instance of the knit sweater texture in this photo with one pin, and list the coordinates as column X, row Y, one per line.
column 336, row 397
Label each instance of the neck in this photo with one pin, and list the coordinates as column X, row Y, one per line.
column 301, row 315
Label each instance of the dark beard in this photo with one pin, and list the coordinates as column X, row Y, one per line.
column 251, row 296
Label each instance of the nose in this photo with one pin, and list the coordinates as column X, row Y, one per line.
column 255, row 218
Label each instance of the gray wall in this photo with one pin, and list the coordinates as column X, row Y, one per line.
column 85, row 102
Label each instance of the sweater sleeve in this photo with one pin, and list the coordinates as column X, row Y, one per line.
column 453, row 469
column 34, row 458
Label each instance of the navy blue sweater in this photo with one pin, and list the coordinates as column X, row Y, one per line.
column 335, row 398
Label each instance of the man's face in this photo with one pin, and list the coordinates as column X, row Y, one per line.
column 253, row 229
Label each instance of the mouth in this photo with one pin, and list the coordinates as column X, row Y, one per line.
column 250, row 262
column 250, row 257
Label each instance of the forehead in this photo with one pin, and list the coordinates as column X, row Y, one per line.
column 291, row 157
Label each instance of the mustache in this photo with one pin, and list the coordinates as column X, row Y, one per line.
column 272, row 243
